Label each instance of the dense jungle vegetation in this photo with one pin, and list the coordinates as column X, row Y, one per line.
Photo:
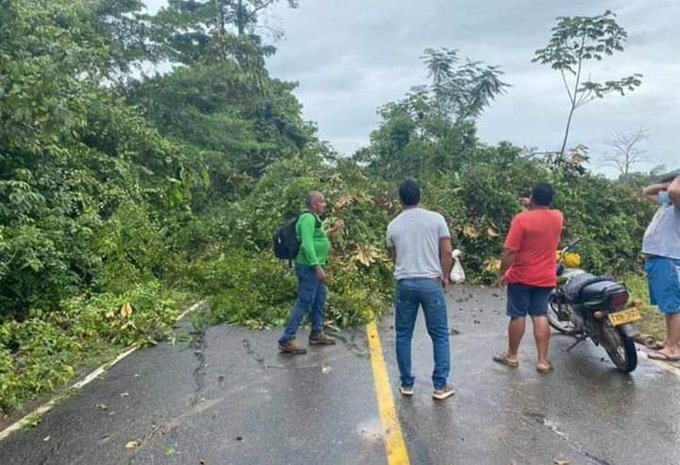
column 125, row 196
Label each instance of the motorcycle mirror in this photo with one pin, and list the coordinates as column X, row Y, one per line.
column 571, row 245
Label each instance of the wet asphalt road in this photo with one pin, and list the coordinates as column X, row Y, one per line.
column 228, row 397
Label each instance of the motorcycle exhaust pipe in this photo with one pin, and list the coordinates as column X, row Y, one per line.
column 646, row 340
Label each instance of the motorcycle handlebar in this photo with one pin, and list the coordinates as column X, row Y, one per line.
column 571, row 246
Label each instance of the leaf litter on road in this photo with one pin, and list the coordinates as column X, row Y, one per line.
column 132, row 445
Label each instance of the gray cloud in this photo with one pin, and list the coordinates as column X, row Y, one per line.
column 352, row 56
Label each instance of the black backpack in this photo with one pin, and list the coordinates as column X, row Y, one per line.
column 286, row 242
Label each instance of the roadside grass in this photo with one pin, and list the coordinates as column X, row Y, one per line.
column 46, row 352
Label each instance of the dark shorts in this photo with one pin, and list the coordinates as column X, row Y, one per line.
column 663, row 275
column 523, row 300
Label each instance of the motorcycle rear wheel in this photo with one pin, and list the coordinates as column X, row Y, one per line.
column 563, row 326
column 619, row 347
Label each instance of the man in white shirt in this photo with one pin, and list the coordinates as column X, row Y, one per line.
column 661, row 248
column 419, row 243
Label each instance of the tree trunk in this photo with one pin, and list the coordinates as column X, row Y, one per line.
column 240, row 19
column 574, row 95
column 566, row 131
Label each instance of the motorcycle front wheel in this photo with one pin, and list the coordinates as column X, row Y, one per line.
column 562, row 325
column 619, row 347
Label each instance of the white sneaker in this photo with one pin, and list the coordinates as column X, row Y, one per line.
column 444, row 393
column 406, row 390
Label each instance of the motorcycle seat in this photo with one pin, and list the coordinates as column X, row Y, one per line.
column 601, row 289
column 586, row 287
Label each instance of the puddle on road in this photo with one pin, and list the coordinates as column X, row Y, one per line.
column 372, row 430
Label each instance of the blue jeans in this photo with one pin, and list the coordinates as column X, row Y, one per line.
column 311, row 299
column 428, row 293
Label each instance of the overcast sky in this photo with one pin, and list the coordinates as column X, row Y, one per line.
column 352, row 56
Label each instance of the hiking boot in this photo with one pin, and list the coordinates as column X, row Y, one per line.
column 291, row 347
column 443, row 393
column 406, row 390
column 320, row 338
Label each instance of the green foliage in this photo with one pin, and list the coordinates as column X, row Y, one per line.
column 142, row 315
column 72, row 150
column 115, row 188
column 640, row 179
column 476, row 187
column 131, row 249
column 249, row 289
column 242, row 121
column 461, row 91
column 191, row 30
column 609, row 217
column 34, row 356
column 432, row 130
column 43, row 352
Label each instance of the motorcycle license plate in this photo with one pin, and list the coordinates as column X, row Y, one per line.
column 626, row 316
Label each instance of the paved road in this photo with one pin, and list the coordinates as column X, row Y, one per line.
column 230, row 398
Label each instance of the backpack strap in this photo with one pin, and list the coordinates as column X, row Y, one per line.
column 318, row 223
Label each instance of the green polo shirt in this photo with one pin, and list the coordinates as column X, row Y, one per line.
column 314, row 244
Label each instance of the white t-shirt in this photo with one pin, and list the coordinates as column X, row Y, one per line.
column 662, row 237
column 415, row 235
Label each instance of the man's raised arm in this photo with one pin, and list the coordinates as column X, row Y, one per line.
column 652, row 192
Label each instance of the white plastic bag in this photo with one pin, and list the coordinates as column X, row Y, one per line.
column 457, row 275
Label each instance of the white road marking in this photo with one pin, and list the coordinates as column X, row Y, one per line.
column 43, row 409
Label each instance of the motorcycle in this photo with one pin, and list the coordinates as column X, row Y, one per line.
column 592, row 307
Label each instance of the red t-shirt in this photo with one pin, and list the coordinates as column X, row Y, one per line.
column 535, row 236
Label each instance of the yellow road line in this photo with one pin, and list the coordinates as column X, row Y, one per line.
column 394, row 441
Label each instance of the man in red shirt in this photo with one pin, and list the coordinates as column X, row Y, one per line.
column 528, row 268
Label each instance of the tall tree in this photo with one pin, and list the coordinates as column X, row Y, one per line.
column 125, row 30
column 191, row 29
column 625, row 152
column 433, row 128
column 244, row 122
column 461, row 91
column 223, row 100
column 71, row 152
column 245, row 13
column 576, row 40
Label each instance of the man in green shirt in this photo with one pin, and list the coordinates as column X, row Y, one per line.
column 310, row 268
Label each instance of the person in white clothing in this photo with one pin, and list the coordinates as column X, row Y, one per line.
column 419, row 243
